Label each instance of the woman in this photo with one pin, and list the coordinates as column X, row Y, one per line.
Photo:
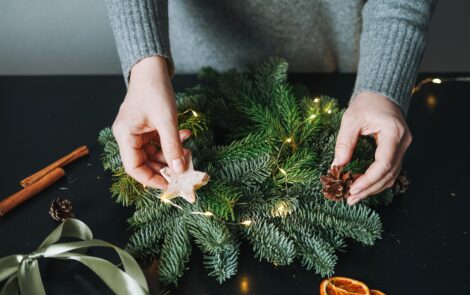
column 383, row 40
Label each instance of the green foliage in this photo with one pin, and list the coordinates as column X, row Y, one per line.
column 269, row 242
column 219, row 246
column 247, row 172
column 265, row 144
column 357, row 222
column 221, row 199
column 175, row 251
column 313, row 250
column 110, row 157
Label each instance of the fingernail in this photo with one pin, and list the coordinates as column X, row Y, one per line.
column 186, row 134
column 178, row 165
column 335, row 162
column 351, row 201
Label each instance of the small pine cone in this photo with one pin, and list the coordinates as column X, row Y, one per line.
column 336, row 183
column 401, row 184
column 61, row 209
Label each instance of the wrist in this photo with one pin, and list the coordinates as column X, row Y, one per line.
column 150, row 69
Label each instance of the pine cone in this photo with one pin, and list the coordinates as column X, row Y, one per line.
column 61, row 209
column 336, row 183
column 401, row 184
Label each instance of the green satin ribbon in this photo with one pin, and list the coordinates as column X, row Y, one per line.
column 21, row 272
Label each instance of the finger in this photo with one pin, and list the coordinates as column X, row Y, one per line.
column 387, row 147
column 172, row 148
column 134, row 164
column 345, row 142
column 157, row 181
column 389, row 184
column 396, row 172
column 145, row 175
column 153, row 136
column 374, row 189
column 158, row 155
column 155, row 166
column 384, row 183
column 185, row 134
column 133, row 160
column 130, row 150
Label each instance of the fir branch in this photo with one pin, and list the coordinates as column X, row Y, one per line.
column 218, row 245
column 251, row 146
column 236, row 88
column 175, row 252
column 110, row 157
column 287, row 108
column 248, row 172
column 269, row 242
column 127, row 191
column 200, row 145
column 192, row 99
column 268, row 76
column 150, row 224
column 160, row 213
column 220, row 198
column 146, row 241
column 262, row 118
column 298, row 168
column 274, row 206
column 313, row 248
column 252, row 115
column 326, row 152
column 317, row 253
column 105, row 136
column 222, row 264
column 191, row 119
column 314, row 251
column 357, row 222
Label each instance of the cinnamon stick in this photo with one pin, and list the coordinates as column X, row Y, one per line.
column 30, row 191
column 76, row 154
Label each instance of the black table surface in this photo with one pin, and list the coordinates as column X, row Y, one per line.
column 425, row 247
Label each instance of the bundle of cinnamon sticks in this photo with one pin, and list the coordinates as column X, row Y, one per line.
column 40, row 180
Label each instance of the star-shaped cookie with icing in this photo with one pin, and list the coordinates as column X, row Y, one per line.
column 184, row 184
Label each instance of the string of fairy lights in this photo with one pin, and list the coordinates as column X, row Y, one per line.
column 291, row 139
column 282, row 208
column 246, row 222
column 436, row 80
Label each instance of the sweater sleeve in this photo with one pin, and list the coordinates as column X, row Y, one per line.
column 140, row 30
column 392, row 44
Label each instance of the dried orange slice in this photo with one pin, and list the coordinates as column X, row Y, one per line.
column 376, row 292
column 343, row 286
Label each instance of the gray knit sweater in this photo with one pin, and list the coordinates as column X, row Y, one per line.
column 383, row 40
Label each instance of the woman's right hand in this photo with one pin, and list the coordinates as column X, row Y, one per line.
column 146, row 127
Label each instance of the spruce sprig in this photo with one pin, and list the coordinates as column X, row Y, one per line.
column 265, row 144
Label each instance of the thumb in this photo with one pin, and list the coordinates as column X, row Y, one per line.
column 345, row 144
column 172, row 148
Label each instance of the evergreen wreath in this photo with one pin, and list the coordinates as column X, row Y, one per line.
column 265, row 143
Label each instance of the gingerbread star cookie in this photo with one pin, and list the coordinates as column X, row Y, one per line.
column 184, row 184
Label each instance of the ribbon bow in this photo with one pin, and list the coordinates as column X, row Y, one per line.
column 22, row 271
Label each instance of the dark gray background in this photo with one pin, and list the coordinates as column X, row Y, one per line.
column 44, row 37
